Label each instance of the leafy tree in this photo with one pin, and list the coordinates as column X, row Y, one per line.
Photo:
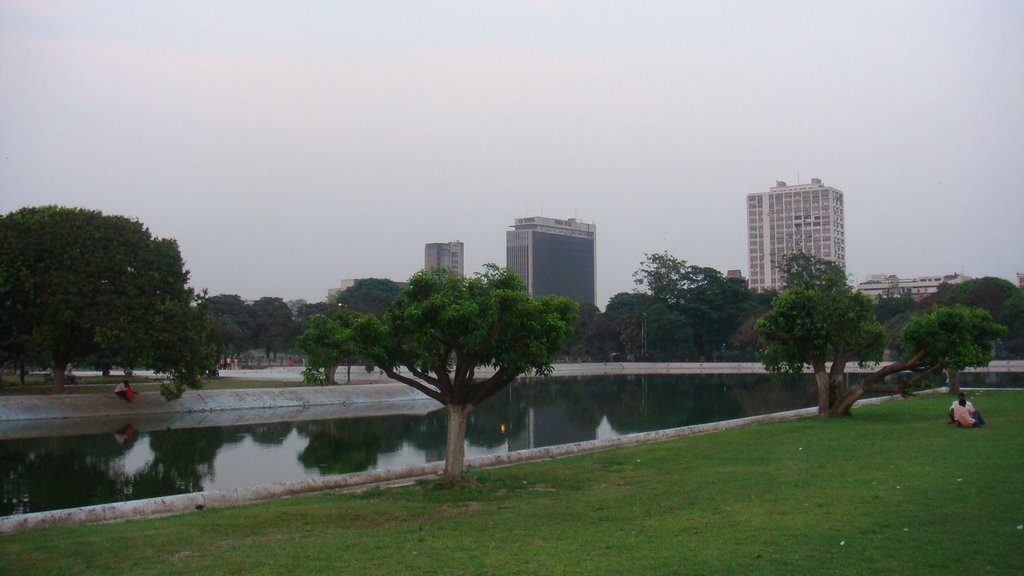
column 1011, row 315
column 305, row 311
column 272, row 324
column 947, row 337
column 988, row 293
column 441, row 327
column 709, row 306
column 370, row 296
column 76, row 284
column 233, row 323
column 801, row 268
column 889, row 307
column 818, row 319
column 327, row 343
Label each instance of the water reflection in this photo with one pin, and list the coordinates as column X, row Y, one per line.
column 134, row 461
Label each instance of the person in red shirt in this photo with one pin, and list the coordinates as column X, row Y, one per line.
column 124, row 390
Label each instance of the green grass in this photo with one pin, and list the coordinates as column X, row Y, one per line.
column 892, row 490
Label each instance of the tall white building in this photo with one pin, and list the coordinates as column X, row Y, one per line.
column 788, row 219
column 448, row 255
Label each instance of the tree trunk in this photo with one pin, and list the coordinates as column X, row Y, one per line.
column 847, row 400
column 331, row 371
column 821, row 376
column 953, row 378
column 455, row 450
column 59, row 378
column 348, row 373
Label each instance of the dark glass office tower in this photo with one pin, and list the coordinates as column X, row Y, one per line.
column 554, row 256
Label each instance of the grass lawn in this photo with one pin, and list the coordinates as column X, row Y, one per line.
column 892, row 490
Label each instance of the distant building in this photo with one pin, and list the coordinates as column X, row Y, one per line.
column 878, row 285
column 789, row 219
column 554, row 256
column 1020, row 279
column 447, row 255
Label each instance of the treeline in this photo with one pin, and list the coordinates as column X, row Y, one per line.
column 269, row 327
column 678, row 312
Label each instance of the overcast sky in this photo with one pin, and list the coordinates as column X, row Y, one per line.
column 288, row 145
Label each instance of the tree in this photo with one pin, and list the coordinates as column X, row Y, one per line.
column 945, row 338
column 820, row 319
column 988, row 293
column 817, row 319
column 75, row 283
column 889, row 307
column 370, row 296
column 327, row 343
column 1011, row 315
column 442, row 327
column 709, row 306
column 233, row 323
column 272, row 324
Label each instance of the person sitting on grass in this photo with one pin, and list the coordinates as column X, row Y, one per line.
column 963, row 413
column 124, row 390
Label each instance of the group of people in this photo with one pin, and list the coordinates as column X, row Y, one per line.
column 963, row 413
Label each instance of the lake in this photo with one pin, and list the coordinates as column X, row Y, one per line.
column 131, row 461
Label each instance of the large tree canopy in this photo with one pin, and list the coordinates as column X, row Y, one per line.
column 233, row 323
column 820, row 321
column 442, row 327
column 944, row 338
column 327, row 342
column 272, row 324
column 702, row 308
column 817, row 320
column 369, row 296
column 76, row 283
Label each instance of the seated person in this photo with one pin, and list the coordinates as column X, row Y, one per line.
column 124, row 390
column 963, row 413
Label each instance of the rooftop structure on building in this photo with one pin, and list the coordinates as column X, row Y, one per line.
column 446, row 255
column 878, row 285
column 554, row 256
column 788, row 219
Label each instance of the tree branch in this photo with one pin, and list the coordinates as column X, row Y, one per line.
column 413, row 382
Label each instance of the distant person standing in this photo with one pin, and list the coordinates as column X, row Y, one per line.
column 963, row 413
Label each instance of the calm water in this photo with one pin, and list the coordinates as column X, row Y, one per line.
column 49, row 473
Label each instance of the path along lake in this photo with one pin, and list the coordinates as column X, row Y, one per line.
column 132, row 461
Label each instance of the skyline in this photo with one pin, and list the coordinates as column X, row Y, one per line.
column 289, row 146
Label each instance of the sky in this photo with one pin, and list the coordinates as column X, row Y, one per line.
column 287, row 145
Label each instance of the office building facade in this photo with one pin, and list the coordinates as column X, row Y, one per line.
column 447, row 255
column 788, row 219
column 554, row 256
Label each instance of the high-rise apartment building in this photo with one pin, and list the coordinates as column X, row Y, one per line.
column 788, row 219
column 554, row 256
column 447, row 255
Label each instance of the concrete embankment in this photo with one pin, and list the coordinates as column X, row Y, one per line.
column 360, row 376
column 72, row 414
